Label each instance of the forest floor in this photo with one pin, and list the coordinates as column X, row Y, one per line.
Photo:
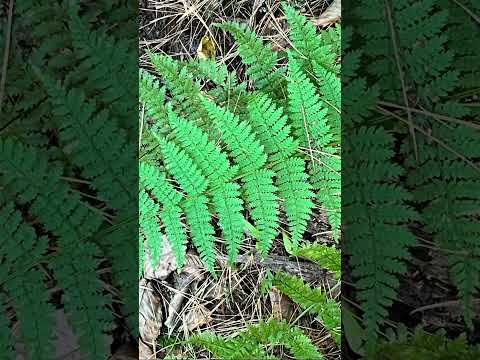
column 193, row 300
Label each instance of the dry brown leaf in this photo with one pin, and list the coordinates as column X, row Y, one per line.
column 196, row 317
column 150, row 314
column 165, row 265
column 281, row 305
column 331, row 15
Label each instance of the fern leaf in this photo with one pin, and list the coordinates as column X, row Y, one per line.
column 152, row 95
column 270, row 125
column 183, row 89
column 294, row 188
column 291, row 180
column 194, row 183
column 306, row 110
column 377, row 238
column 239, row 137
column 78, row 122
column 258, row 183
column 152, row 179
column 216, row 167
column 312, row 300
column 448, row 189
column 60, row 210
column 84, row 301
column 213, row 163
column 326, row 256
column 182, row 167
column 262, row 202
column 281, row 333
column 259, row 58
column 306, row 41
column 198, row 219
column 148, row 224
column 24, row 284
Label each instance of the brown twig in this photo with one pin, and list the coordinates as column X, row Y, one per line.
column 402, row 77
column 8, row 34
column 310, row 272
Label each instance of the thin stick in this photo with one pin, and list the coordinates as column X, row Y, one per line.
column 8, row 34
column 402, row 78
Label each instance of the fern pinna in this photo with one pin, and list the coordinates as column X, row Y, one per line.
column 68, row 176
column 413, row 103
column 236, row 158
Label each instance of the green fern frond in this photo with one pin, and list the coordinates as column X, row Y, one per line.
column 238, row 135
column 259, row 57
column 152, row 95
column 24, row 284
column 291, row 179
column 28, row 173
column 149, row 227
column 187, row 174
column 183, row 169
column 282, row 333
column 307, row 42
column 293, row 187
column 326, row 256
column 83, row 298
column 447, row 187
column 262, row 202
column 306, row 110
column 208, row 70
column 213, row 163
column 155, row 181
column 377, row 238
column 248, row 153
column 312, row 300
column 250, row 343
column 271, row 127
column 79, row 122
column 181, row 85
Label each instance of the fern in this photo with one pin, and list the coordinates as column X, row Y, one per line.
column 423, row 345
column 291, row 179
column 67, row 142
column 327, row 257
column 249, row 344
column 258, row 183
column 22, row 250
column 436, row 158
column 216, row 167
column 448, row 189
column 308, row 44
column 259, row 58
column 237, row 152
column 311, row 300
column 28, row 173
column 376, row 238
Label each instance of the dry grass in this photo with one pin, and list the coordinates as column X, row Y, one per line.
column 233, row 300
column 175, row 27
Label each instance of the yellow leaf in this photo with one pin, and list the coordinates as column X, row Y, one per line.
column 206, row 49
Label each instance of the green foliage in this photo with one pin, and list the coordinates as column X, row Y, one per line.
column 21, row 245
column 259, row 57
column 239, row 158
column 412, row 54
column 251, row 343
column 377, row 238
column 422, row 345
column 448, row 190
column 68, row 150
column 327, row 257
column 312, row 300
